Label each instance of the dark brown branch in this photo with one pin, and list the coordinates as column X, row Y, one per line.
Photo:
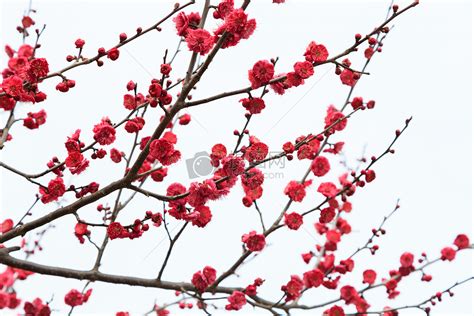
column 6, row 128
column 170, row 249
column 91, row 275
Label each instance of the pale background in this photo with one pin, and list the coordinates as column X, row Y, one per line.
column 425, row 71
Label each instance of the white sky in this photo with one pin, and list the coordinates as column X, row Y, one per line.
column 424, row 72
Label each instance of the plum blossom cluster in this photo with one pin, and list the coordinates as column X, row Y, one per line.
column 21, row 79
column 116, row 230
column 234, row 27
column 75, row 161
column 203, row 279
column 8, row 278
column 135, row 230
column 11, row 277
column 75, row 298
